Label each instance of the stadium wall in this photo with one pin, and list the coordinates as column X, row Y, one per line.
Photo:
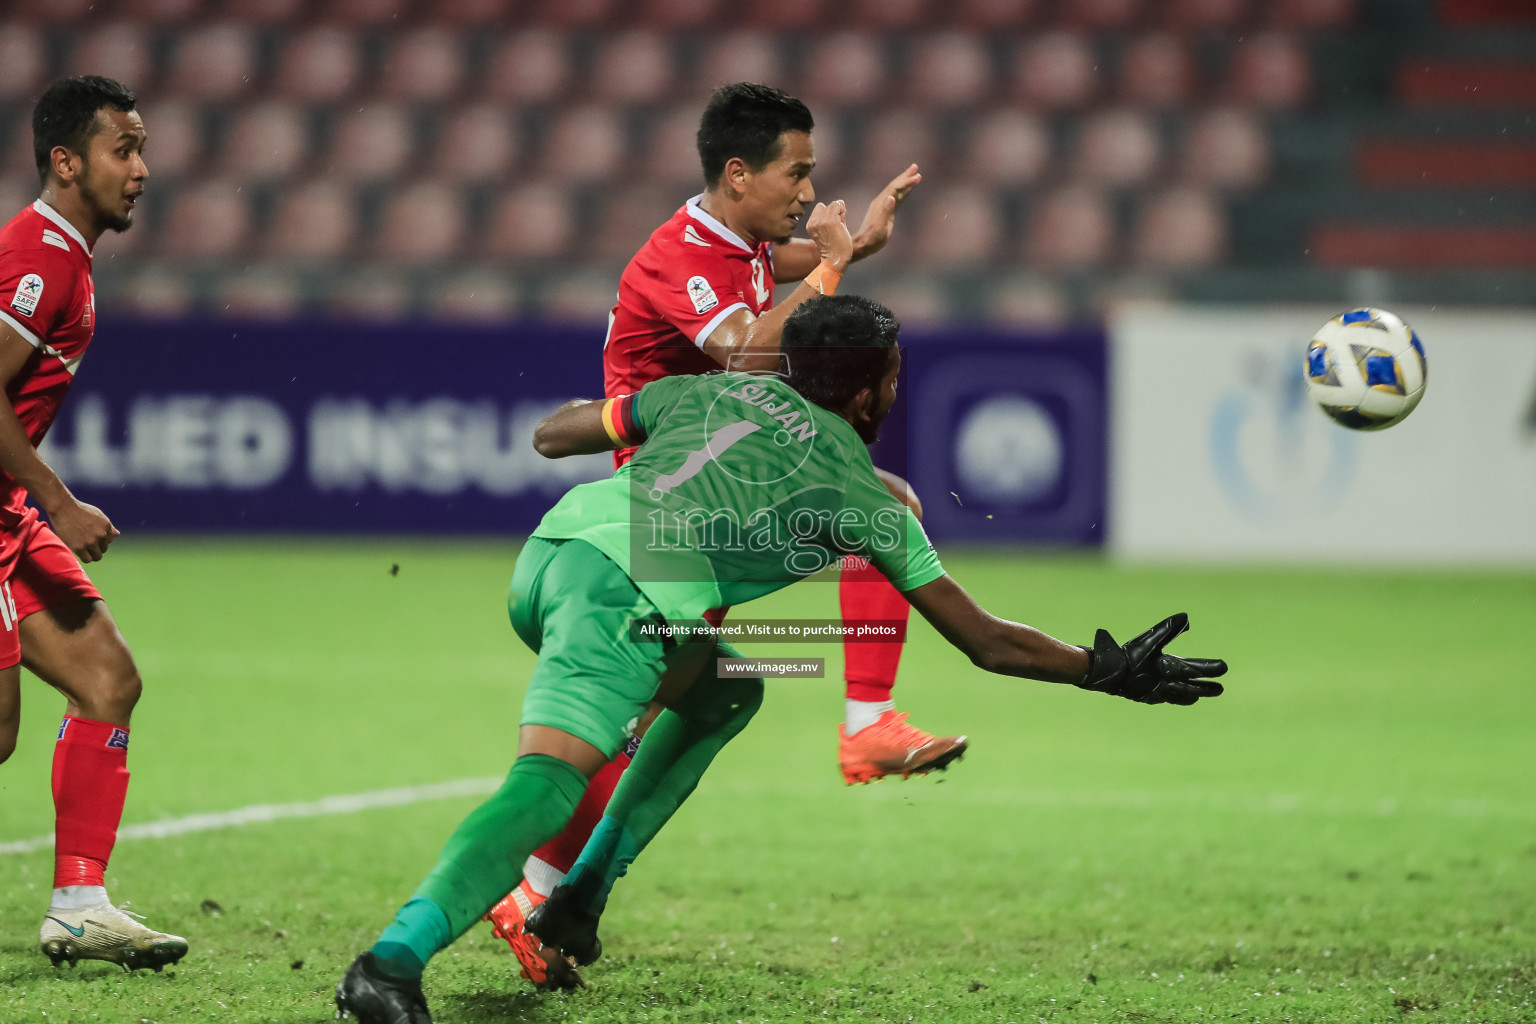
column 1217, row 454
column 426, row 428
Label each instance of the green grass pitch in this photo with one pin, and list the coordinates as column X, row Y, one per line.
column 1348, row 835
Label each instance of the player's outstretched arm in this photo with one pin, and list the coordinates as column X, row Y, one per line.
column 745, row 342
column 84, row 528
column 796, row 258
column 1139, row 670
column 576, row 428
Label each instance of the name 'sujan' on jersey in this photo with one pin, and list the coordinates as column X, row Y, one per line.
column 782, row 411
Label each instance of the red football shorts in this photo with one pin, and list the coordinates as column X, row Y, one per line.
column 37, row 571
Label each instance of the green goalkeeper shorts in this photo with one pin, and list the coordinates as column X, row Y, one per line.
column 573, row 606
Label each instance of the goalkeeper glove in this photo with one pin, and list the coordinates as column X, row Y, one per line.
column 1140, row 671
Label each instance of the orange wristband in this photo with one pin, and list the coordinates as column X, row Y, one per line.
column 824, row 279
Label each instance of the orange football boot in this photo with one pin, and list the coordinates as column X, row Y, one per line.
column 507, row 920
column 892, row 747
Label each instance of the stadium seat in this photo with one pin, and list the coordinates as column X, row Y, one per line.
column 949, row 70
column 371, row 143
column 478, row 144
column 217, row 62
column 314, row 222
column 584, row 144
column 365, row 13
column 177, row 128
column 832, row 153
column 916, row 301
column 886, row 15
column 787, row 15
column 1225, row 148
column 1053, row 71
column 991, row 15
column 1311, row 15
column 625, row 219
column 470, row 13
column 532, row 223
column 423, row 223
column 671, row 151
column 160, row 12
column 16, row 158
column 425, row 65
column 23, row 63
column 258, row 293
column 376, row 294
column 740, row 57
column 262, row 12
column 1269, row 70
column 581, row 298
column 529, row 68
column 1204, row 15
column 1179, row 229
column 1026, row 300
column 957, row 227
column 1116, row 149
column 55, row 12
column 632, row 68
column 319, row 65
column 263, row 143
column 1073, row 228
column 207, row 220
column 1156, row 71
column 845, row 69
column 574, row 14
column 678, row 15
column 16, row 192
column 1100, row 15
column 151, row 290
column 1005, row 147
column 121, row 51
column 891, row 141
column 474, row 296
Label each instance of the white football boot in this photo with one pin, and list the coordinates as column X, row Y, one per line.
column 105, row 932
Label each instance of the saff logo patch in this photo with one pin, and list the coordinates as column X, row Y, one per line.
column 118, row 740
column 28, row 292
column 699, row 291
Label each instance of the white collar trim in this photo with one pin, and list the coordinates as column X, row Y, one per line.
column 58, row 218
column 696, row 211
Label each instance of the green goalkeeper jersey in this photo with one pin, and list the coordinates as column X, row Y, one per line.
column 740, row 488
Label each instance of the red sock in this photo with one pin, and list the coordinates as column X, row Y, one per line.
column 870, row 669
column 90, row 782
column 561, row 852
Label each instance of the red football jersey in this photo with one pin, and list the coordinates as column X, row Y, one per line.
column 46, row 296
column 689, row 276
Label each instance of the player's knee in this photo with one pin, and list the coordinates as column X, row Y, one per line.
column 113, row 695
column 7, row 741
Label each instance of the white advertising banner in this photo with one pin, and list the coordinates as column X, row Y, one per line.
column 1216, row 453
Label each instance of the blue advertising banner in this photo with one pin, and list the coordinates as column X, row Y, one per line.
column 426, row 428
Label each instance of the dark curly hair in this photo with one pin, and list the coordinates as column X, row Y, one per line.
column 836, row 346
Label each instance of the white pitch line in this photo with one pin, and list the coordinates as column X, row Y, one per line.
column 324, row 807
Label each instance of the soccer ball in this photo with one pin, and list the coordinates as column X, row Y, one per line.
column 1366, row 369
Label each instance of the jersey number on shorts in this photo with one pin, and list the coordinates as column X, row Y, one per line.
column 7, row 606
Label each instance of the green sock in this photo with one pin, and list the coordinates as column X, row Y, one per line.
column 482, row 861
column 677, row 749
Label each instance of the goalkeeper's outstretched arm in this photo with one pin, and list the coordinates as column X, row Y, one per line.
column 1138, row 670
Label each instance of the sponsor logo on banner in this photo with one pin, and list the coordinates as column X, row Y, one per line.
column 1274, row 457
column 28, row 291
column 702, row 295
